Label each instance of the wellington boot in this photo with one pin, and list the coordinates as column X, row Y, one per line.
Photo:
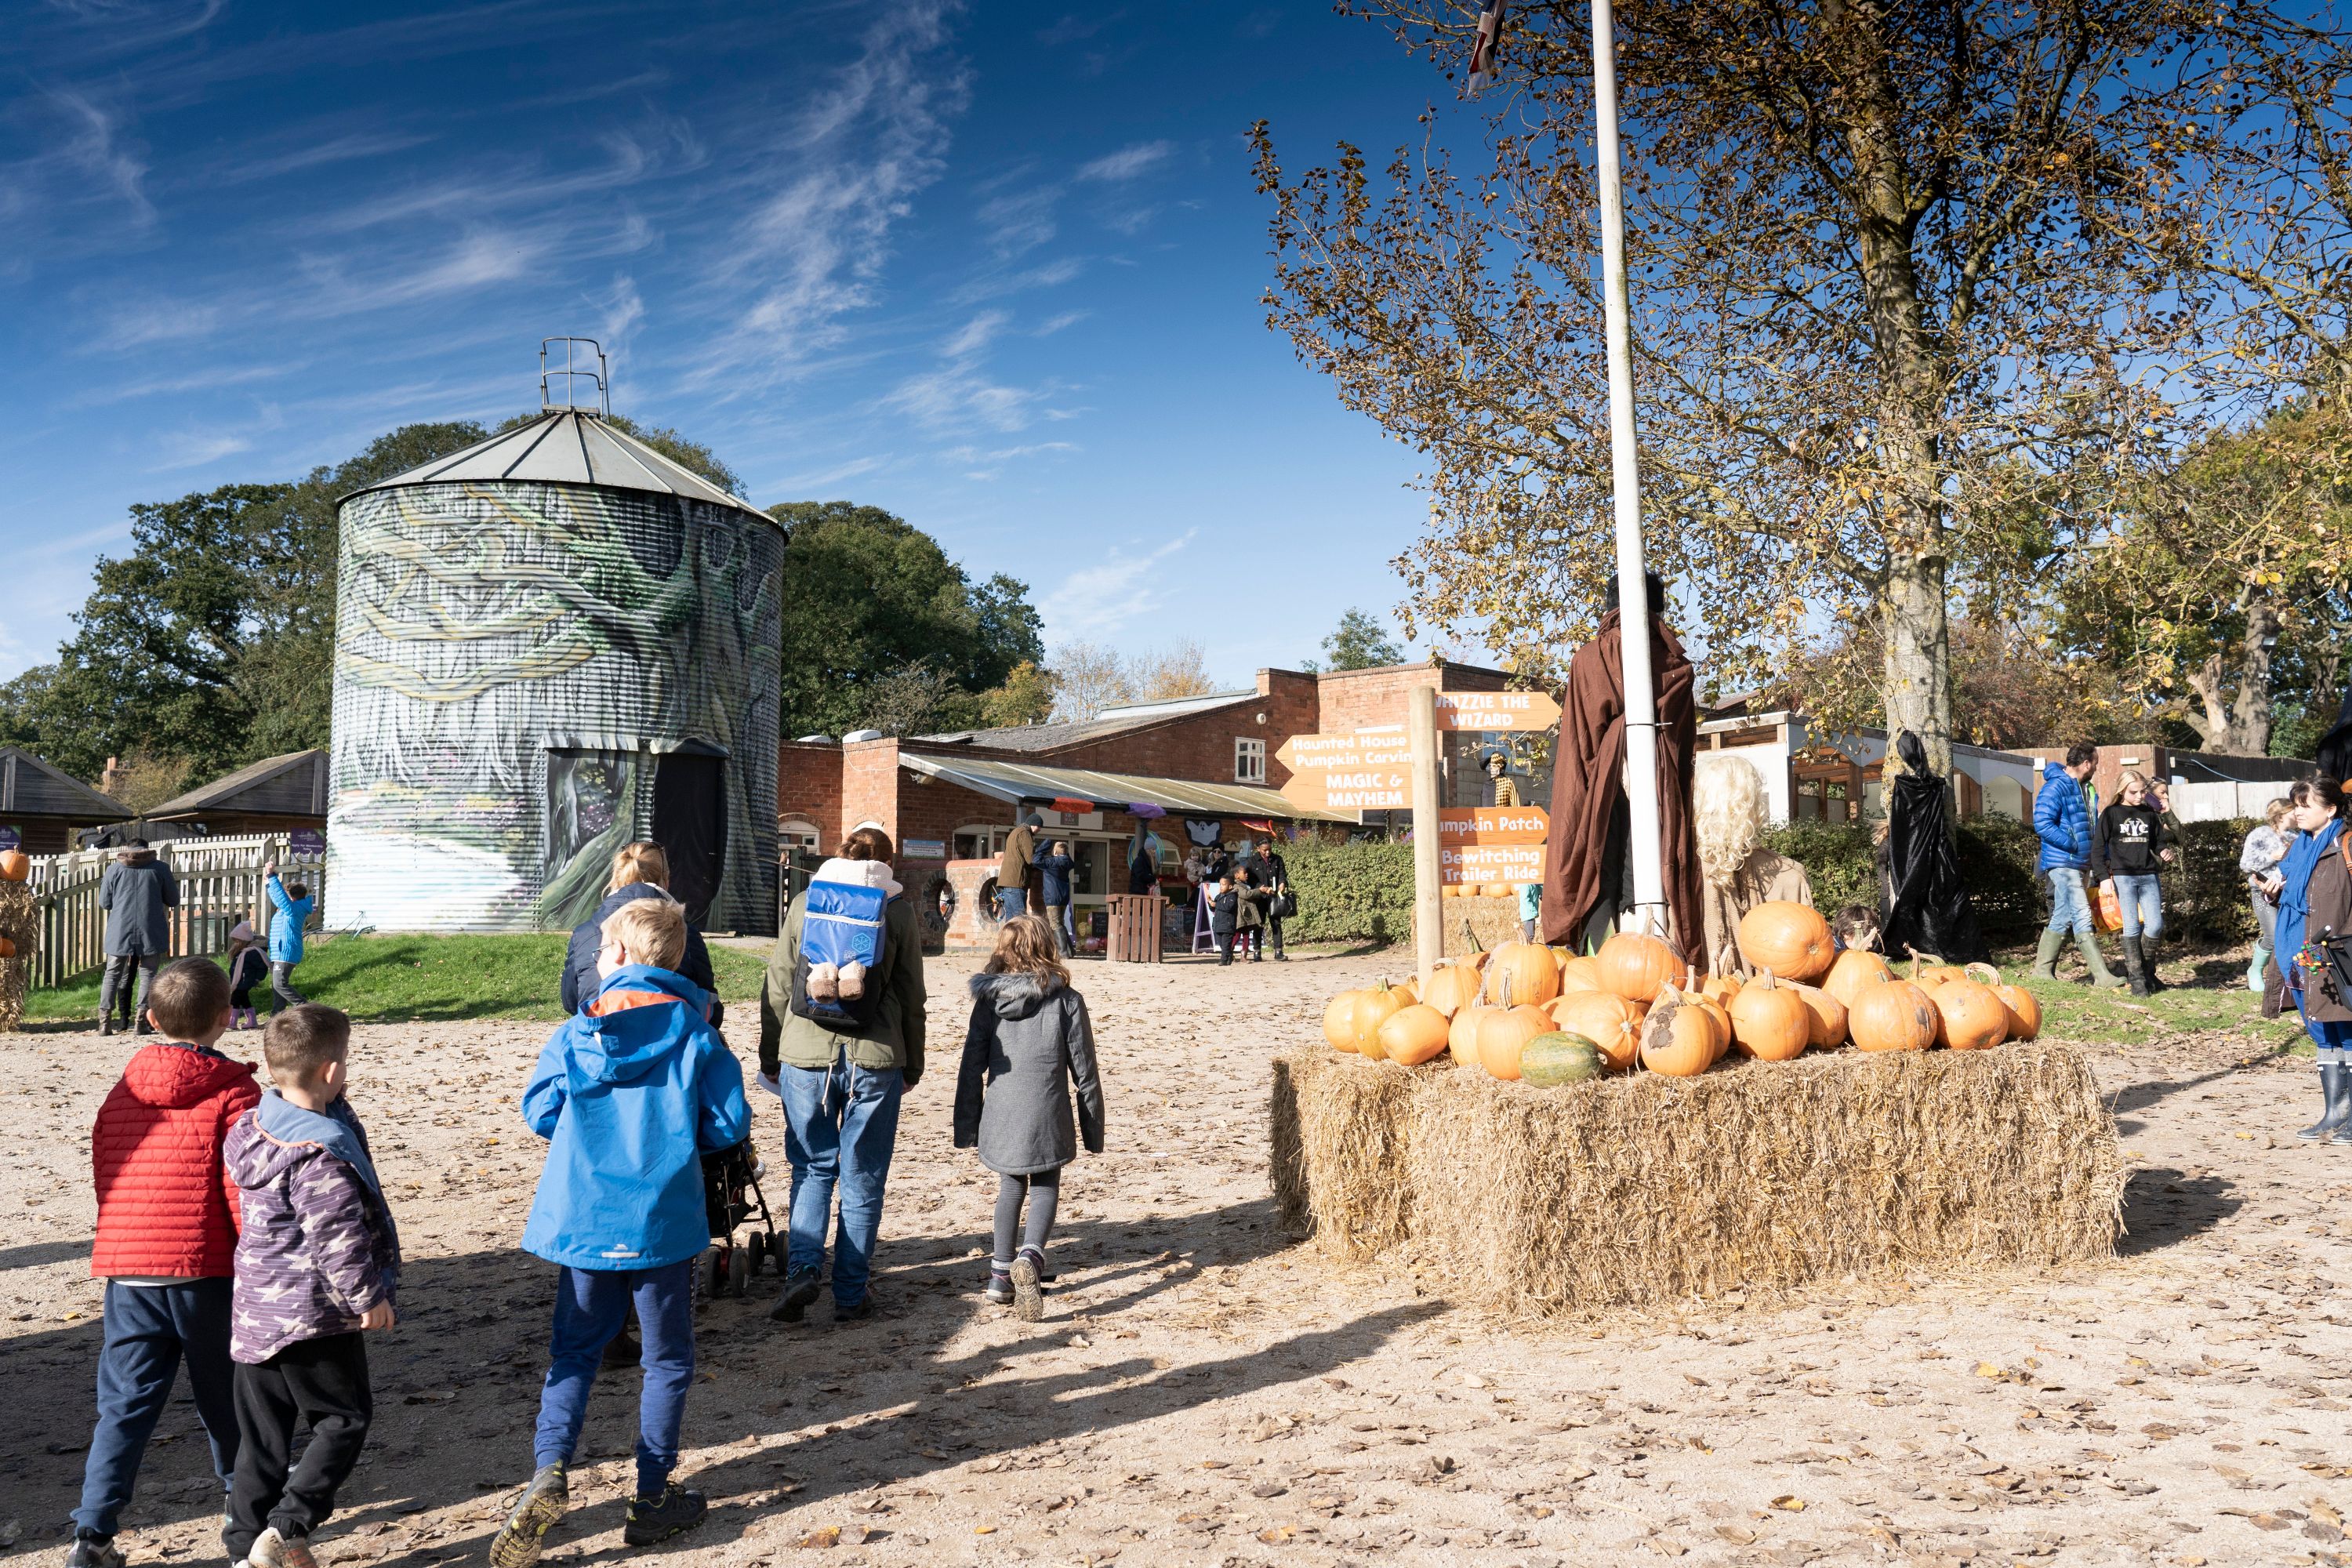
column 2101, row 977
column 2339, row 1105
column 2045, row 962
column 2332, row 1079
column 2136, row 966
column 2254, row 970
column 2147, row 946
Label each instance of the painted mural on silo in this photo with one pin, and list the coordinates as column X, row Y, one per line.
column 530, row 675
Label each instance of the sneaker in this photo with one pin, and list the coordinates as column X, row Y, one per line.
column 856, row 1311
column 653, row 1520
column 95, row 1552
column 621, row 1350
column 273, row 1550
column 1028, row 1299
column 518, row 1539
column 800, row 1289
column 1000, row 1286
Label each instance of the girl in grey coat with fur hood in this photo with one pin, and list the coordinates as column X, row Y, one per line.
column 1028, row 1046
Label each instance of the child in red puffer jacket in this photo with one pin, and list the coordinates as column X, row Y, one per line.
column 167, row 1223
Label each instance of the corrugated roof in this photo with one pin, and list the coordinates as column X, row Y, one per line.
column 1113, row 722
column 222, row 791
column 30, row 787
column 1022, row 782
column 567, row 447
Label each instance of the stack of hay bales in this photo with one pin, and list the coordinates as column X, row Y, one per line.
column 1634, row 1191
column 20, row 924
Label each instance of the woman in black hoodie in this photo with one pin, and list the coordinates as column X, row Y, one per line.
column 2131, row 845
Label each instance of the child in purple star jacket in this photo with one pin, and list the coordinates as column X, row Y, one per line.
column 317, row 1264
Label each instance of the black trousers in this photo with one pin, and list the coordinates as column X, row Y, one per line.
column 322, row 1382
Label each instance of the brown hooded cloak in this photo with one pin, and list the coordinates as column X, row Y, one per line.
column 1588, row 789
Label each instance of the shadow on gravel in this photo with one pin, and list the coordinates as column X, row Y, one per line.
column 2163, row 1207
column 461, row 1375
column 2140, row 1096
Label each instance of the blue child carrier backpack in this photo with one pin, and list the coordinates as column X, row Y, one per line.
column 841, row 924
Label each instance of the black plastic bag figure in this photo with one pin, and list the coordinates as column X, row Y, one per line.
column 1927, row 909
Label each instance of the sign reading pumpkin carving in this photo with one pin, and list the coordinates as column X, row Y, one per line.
column 1364, row 770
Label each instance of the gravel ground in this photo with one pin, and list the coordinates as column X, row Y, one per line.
column 1203, row 1392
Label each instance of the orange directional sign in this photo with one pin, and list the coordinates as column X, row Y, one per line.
column 1497, row 710
column 1366, row 770
column 1475, row 864
column 1489, row 825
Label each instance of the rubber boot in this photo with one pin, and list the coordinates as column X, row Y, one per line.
column 2045, row 962
column 2332, row 1075
column 2101, row 977
column 2254, row 970
column 2148, row 966
column 2136, row 966
column 2340, row 1105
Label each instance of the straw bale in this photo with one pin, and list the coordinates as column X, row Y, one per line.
column 20, row 922
column 1340, row 1128
column 1760, row 1177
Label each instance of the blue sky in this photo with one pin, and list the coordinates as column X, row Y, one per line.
column 994, row 267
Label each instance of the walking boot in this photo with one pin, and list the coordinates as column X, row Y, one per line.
column 2136, row 966
column 2254, row 969
column 2101, row 977
column 2045, row 962
column 2332, row 1079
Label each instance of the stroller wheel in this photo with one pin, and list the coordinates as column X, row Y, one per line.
column 714, row 1274
column 738, row 1270
column 758, row 1247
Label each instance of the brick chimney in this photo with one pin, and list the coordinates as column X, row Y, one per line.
column 108, row 780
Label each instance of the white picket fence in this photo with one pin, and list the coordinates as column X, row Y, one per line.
column 220, row 884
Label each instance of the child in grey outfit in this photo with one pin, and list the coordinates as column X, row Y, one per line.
column 1027, row 1045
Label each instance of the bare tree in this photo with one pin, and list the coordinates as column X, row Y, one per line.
column 1088, row 679
column 1896, row 270
column 1165, row 675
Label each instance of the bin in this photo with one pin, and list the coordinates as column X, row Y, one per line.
column 1135, row 927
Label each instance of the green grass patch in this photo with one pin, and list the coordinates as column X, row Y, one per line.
column 2217, row 999
column 415, row 979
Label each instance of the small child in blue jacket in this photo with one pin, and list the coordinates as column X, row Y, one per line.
column 637, row 1068
column 292, row 905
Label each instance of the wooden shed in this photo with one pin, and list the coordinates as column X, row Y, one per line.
column 43, row 805
column 273, row 796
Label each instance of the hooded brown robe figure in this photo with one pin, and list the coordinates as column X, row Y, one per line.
column 1587, row 869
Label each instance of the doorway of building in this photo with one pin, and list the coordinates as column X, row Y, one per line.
column 691, row 824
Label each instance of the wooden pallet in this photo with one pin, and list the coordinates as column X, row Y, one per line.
column 1136, row 921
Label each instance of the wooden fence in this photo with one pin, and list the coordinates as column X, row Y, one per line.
column 220, row 884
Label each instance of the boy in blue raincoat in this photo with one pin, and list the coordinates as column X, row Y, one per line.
column 629, row 1094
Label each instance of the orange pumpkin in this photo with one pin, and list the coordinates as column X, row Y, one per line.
column 15, row 865
column 1374, row 1009
column 1412, row 1035
column 1893, row 1015
column 1634, row 966
column 1679, row 1039
column 1828, row 1017
column 1339, row 1021
column 1503, row 1031
column 1522, row 973
column 1770, row 1021
column 1719, row 1018
column 1408, row 990
column 1605, row 1019
column 1789, row 939
column 1969, row 1016
column 1854, row 969
column 1462, row 1036
column 1719, row 988
column 2024, row 1010
column 1581, row 974
column 1929, row 976
column 1452, row 987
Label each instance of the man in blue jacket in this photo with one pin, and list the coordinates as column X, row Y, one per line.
column 2063, row 815
column 629, row 1093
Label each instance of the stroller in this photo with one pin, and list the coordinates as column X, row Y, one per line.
column 732, row 1196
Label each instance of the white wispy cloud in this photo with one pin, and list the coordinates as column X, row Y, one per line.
column 1098, row 600
column 194, row 448
column 1021, row 221
column 984, row 465
column 346, row 149
column 1127, row 163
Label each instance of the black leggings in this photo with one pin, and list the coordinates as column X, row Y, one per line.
column 1044, row 1191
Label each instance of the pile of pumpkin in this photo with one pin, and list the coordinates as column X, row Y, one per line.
column 1546, row 1016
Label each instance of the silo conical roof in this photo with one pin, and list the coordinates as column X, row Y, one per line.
column 567, row 447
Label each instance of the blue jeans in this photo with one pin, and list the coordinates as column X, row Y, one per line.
column 841, row 1125
column 2069, row 908
column 1011, row 901
column 2143, row 906
column 150, row 1331
column 2327, row 1037
column 590, row 1304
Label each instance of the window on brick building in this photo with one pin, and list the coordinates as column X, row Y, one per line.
column 1249, row 760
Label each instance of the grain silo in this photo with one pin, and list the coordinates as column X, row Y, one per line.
column 547, row 645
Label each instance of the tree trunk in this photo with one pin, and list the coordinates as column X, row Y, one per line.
column 2250, row 716
column 1916, row 686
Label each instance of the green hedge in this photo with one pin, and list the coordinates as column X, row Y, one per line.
column 1350, row 892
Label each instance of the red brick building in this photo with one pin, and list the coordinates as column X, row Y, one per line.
column 1209, row 762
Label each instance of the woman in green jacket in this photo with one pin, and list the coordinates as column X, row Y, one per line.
column 841, row 1085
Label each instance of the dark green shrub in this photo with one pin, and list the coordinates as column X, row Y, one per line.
column 1350, row 892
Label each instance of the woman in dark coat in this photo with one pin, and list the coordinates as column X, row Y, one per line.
column 640, row 870
column 2316, row 904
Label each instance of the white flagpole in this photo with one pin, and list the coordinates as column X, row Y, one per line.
column 1644, row 842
